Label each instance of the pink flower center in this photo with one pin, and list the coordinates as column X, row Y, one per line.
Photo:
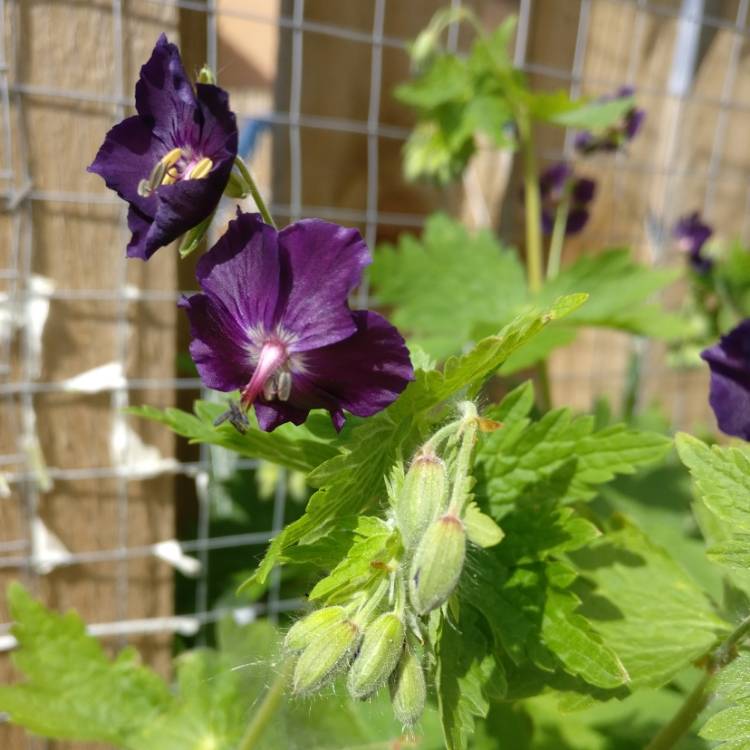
column 270, row 377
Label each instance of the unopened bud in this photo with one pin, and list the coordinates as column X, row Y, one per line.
column 206, row 75
column 422, row 498
column 309, row 628
column 408, row 689
column 437, row 563
column 325, row 656
column 381, row 648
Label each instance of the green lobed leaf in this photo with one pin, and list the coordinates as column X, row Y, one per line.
column 559, row 109
column 618, row 288
column 559, row 456
column 466, row 676
column 295, row 447
column 442, row 284
column 71, row 689
column 730, row 726
column 645, row 605
column 354, row 481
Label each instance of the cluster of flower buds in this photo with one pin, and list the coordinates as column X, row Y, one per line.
column 378, row 635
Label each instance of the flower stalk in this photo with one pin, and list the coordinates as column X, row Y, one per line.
column 558, row 237
column 533, row 205
column 266, row 710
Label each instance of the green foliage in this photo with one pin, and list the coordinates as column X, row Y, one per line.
column 560, row 456
column 645, row 605
column 443, row 284
column 298, row 448
column 619, row 289
column 730, row 726
column 459, row 100
column 73, row 691
column 354, row 480
column 449, row 287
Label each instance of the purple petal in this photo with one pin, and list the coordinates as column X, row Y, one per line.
column 322, row 263
column 577, row 219
column 164, row 94
column 634, row 122
column 691, row 233
column 729, row 361
column 363, row 374
column 548, row 221
column 128, row 155
column 139, row 226
column 584, row 190
column 275, row 413
column 218, row 136
column 219, row 345
column 552, row 181
column 242, row 270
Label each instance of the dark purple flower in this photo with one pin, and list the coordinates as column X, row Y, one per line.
column 555, row 184
column 617, row 135
column 729, row 397
column 171, row 161
column 273, row 322
column 691, row 235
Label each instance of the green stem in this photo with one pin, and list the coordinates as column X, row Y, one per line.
column 253, row 188
column 696, row 701
column 558, row 237
column 266, row 710
column 469, row 428
column 442, row 434
column 533, row 203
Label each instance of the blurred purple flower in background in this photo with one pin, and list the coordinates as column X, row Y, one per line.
column 729, row 396
column 616, row 136
column 555, row 184
column 171, row 161
column 691, row 235
column 273, row 322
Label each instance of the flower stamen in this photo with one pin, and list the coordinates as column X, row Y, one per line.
column 264, row 380
column 161, row 174
column 200, row 170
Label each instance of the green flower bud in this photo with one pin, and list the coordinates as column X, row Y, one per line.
column 325, row 656
column 309, row 628
column 381, row 648
column 422, row 498
column 408, row 689
column 437, row 563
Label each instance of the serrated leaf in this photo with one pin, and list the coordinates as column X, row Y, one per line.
column 374, row 542
column 559, row 109
column 645, row 606
column 575, row 642
column 443, row 284
column 618, row 288
column 466, row 673
column 559, row 456
column 730, row 727
column 294, row 447
column 355, row 480
column 72, row 690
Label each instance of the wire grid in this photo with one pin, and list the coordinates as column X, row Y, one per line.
column 20, row 196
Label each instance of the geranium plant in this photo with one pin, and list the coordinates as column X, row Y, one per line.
column 492, row 570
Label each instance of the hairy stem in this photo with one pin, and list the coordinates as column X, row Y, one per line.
column 253, row 188
column 266, row 710
column 558, row 238
column 696, row 701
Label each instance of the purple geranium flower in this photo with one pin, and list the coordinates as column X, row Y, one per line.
column 617, row 135
column 729, row 397
column 557, row 182
column 273, row 322
column 171, row 161
column 691, row 235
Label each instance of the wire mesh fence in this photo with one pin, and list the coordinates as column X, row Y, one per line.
column 87, row 492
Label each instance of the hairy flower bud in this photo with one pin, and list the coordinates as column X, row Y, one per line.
column 312, row 627
column 422, row 498
column 381, row 648
column 408, row 689
column 437, row 563
column 325, row 656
